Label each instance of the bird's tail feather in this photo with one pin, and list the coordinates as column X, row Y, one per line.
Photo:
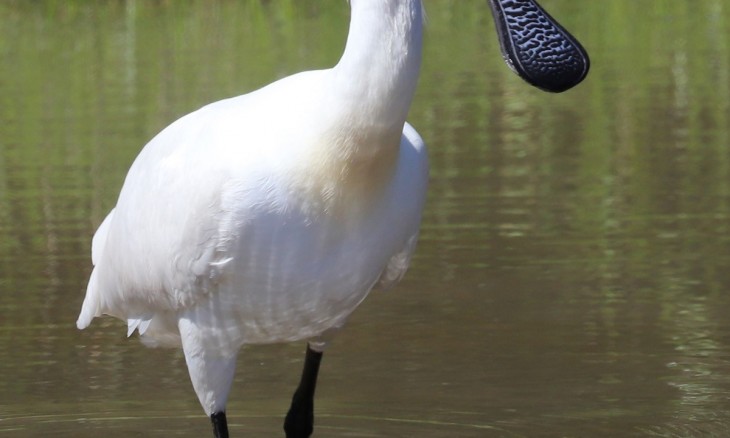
column 91, row 307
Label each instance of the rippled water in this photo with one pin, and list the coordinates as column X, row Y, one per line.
column 572, row 277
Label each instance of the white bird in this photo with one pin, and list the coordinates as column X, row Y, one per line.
column 269, row 217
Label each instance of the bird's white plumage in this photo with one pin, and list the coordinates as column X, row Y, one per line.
column 269, row 217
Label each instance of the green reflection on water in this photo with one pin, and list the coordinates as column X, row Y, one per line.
column 572, row 275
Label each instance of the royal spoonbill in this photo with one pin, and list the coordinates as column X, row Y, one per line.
column 269, row 217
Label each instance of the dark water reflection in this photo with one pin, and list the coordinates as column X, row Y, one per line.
column 572, row 274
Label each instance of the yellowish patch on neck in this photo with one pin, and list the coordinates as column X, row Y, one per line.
column 347, row 175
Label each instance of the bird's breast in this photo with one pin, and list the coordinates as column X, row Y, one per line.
column 348, row 175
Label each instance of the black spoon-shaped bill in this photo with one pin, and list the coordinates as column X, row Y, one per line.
column 536, row 47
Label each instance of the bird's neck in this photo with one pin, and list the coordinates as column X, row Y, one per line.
column 377, row 74
column 368, row 96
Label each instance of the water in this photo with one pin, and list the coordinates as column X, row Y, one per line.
column 571, row 278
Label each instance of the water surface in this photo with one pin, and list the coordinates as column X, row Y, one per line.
column 572, row 277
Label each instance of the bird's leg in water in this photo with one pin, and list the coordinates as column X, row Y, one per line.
column 220, row 425
column 299, row 422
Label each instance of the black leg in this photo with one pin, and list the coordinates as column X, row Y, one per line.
column 299, row 422
column 220, row 425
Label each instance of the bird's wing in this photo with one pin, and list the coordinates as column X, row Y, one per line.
column 398, row 265
column 413, row 192
column 166, row 244
column 160, row 247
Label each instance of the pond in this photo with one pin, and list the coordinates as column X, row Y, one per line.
column 572, row 274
